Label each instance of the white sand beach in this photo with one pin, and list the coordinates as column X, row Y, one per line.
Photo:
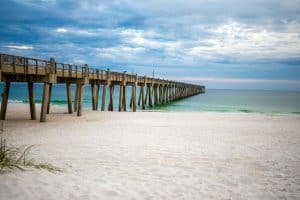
column 155, row 155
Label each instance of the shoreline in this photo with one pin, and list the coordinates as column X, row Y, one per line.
column 89, row 108
column 125, row 155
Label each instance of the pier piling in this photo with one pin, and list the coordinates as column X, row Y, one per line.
column 103, row 97
column 124, row 97
column 93, row 96
column 121, row 98
column 76, row 98
column 45, row 99
column 31, row 100
column 69, row 98
column 97, row 96
column 111, row 98
column 134, row 98
column 49, row 98
column 4, row 102
column 80, row 99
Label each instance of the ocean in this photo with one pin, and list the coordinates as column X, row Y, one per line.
column 214, row 100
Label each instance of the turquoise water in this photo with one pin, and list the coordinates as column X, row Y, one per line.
column 216, row 100
column 246, row 101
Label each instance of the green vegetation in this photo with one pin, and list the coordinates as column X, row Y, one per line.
column 15, row 158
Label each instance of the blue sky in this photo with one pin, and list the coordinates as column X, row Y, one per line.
column 238, row 44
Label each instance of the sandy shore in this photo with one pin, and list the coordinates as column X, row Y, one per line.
column 154, row 155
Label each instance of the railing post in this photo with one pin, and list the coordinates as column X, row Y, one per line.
column 14, row 64
column 70, row 70
column 52, row 66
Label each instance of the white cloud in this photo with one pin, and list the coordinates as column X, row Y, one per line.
column 61, row 30
column 23, row 47
column 90, row 32
column 240, row 41
column 119, row 52
column 151, row 40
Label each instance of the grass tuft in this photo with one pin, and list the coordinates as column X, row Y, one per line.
column 16, row 158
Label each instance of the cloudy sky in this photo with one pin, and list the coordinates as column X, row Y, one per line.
column 251, row 44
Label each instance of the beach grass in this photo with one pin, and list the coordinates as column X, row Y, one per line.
column 15, row 158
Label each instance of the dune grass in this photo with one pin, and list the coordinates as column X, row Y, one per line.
column 15, row 158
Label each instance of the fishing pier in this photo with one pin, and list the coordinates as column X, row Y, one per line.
column 153, row 91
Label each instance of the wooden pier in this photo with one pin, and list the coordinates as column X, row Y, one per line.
column 153, row 91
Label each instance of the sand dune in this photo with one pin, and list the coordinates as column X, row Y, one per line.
column 155, row 155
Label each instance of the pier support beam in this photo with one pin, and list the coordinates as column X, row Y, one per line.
column 69, row 98
column 146, row 95
column 173, row 93
column 49, row 98
column 167, row 94
column 143, row 97
column 124, row 98
column 140, row 97
column 155, row 95
column 5, row 95
column 45, row 100
column 150, row 96
column 93, row 96
column 76, row 98
column 121, row 94
column 160, row 94
column 111, row 98
column 80, row 99
column 134, row 98
column 164, row 94
column 103, row 98
column 97, row 96
column 31, row 100
column 131, row 99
